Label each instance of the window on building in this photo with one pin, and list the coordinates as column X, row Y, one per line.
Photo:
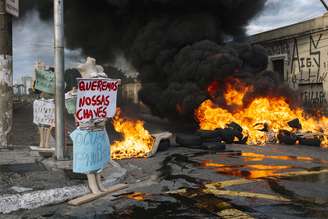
column 279, row 67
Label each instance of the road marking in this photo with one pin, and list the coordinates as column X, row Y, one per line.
column 233, row 213
column 235, row 182
column 299, row 173
column 227, row 212
column 229, row 183
column 245, row 194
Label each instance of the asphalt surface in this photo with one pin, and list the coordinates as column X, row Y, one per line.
column 241, row 182
column 185, row 183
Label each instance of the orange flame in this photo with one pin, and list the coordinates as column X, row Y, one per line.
column 236, row 91
column 137, row 141
column 138, row 196
column 274, row 111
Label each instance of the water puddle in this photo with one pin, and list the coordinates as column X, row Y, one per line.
column 249, row 156
column 249, row 171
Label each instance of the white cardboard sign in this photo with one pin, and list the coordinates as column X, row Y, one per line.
column 96, row 98
column 44, row 112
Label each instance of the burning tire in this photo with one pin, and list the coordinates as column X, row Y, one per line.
column 228, row 135
column 235, row 127
column 217, row 146
column 243, row 140
column 186, row 140
column 286, row 137
column 316, row 142
column 209, row 136
column 164, row 145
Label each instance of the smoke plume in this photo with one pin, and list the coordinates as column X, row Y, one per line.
column 178, row 46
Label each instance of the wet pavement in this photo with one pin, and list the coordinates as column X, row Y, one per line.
column 242, row 182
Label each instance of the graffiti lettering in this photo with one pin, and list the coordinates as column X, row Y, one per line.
column 306, row 66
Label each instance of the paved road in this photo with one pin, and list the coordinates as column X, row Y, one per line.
column 242, row 182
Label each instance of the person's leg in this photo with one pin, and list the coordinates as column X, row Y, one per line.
column 41, row 137
column 100, row 185
column 47, row 136
column 92, row 182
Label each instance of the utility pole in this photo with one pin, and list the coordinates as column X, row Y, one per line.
column 6, row 76
column 59, row 73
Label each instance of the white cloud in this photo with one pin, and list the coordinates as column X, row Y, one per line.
column 33, row 40
column 279, row 13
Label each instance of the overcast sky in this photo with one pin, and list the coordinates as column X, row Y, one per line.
column 33, row 39
column 279, row 13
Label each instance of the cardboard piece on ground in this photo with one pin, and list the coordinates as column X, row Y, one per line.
column 93, row 196
column 158, row 137
column 39, row 149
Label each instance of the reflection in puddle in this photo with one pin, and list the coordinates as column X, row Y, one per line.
column 138, row 196
column 260, row 157
column 254, row 171
column 193, row 204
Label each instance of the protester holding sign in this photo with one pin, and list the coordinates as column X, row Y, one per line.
column 45, row 81
column 96, row 101
column 96, row 98
column 44, row 118
column 93, row 106
column 44, row 112
column 44, row 109
column 92, row 152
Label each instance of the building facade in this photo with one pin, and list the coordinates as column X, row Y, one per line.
column 299, row 54
column 19, row 89
column 130, row 92
column 28, row 83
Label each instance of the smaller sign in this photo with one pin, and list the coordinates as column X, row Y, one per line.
column 12, row 7
column 45, row 81
column 90, row 150
column 44, row 112
column 96, row 98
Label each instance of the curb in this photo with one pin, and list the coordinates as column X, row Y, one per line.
column 35, row 199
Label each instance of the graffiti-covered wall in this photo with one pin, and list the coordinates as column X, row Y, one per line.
column 305, row 65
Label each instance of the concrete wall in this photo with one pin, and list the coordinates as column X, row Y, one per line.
column 303, row 48
column 130, row 92
column 305, row 65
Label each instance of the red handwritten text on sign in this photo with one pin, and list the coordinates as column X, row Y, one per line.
column 96, row 98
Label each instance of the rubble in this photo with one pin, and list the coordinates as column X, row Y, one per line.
column 286, row 137
column 187, row 140
column 295, row 123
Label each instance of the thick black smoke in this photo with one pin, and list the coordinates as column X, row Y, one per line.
column 176, row 45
